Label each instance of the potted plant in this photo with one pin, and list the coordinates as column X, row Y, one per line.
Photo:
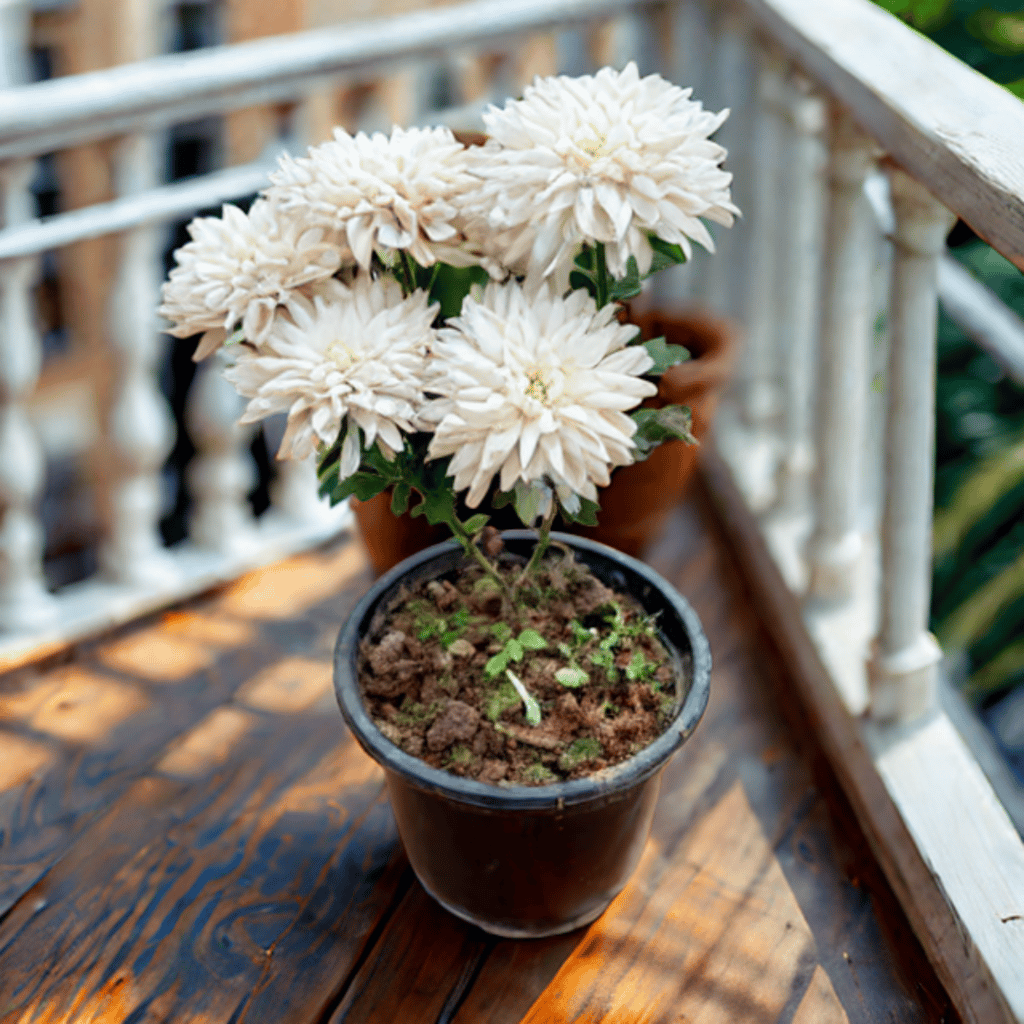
column 442, row 323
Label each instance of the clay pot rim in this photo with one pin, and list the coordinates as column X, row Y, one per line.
column 713, row 367
column 612, row 782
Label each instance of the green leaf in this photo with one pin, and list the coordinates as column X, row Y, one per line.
column 476, row 523
column 670, row 423
column 639, row 667
column 580, row 633
column 665, row 356
column 461, row 618
column 400, row 499
column 529, row 502
column 666, row 254
column 438, row 505
column 503, row 498
column 501, row 632
column 496, row 665
column 363, row 485
column 627, row 287
column 532, row 640
column 571, row 676
column 579, row 281
column 586, row 514
column 514, row 650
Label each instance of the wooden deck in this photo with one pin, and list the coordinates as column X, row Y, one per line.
column 187, row 833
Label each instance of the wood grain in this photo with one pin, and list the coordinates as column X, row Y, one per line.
column 112, row 738
column 247, row 895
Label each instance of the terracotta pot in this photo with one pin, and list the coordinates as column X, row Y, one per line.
column 390, row 539
column 524, row 861
column 636, row 504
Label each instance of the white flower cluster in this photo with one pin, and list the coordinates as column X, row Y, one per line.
column 324, row 281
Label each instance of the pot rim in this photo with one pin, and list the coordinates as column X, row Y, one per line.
column 608, row 783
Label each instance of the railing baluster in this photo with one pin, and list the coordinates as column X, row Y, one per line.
column 140, row 430
column 222, row 472
column 731, row 84
column 760, row 395
column 902, row 669
column 24, row 601
column 799, row 260
column 835, row 547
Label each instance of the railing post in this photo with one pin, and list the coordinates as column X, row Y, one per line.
column 835, row 547
column 902, row 668
column 690, row 46
column 759, row 375
column 222, row 473
column 140, row 429
column 731, row 84
column 799, row 261
column 24, row 601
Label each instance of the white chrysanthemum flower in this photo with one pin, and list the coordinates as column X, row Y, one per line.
column 355, row 353
column 239, row 268
column 605, row 158
column 534, row 387
column 403, row 192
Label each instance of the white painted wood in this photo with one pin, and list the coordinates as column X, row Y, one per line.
column 97, row 605
column 24, row 602
column 179, row 87
column 834, row 548
column 905, row 659
column 294, row 493
column 732, row 84
column 140, row 428
column 15, row 36
column 153, row 206
column 760, row 374
column 689, row 36
column 222, row 472
column 952, row 129
column 948, row 849
column 801, row 203
column 983, row 316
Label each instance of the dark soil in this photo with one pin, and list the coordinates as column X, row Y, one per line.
column 432, row 672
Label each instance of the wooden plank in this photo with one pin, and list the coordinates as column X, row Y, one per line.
column 963, row 951
column 951, row 128
column 111, row 715
column 418, row 970
column 710, row 932
column 247, row 893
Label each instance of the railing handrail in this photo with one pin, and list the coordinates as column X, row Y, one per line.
column 153, row 93
column 948, row 126
column 945, row 124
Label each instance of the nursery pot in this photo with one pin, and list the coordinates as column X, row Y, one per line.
column 521, row 861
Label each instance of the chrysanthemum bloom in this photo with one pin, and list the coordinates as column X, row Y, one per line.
column 605, row 158
column 402, row 192
column 534, row 388
column 239, row 268
column 352, row 354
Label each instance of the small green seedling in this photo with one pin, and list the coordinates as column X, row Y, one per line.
column 603, row 658
column 579, row 752
column 530, row 705
column 501, row 700
column 514, row 649
column 446, row 630
column 572, row 676
column 639, row 667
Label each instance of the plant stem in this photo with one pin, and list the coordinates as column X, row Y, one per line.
column 543, row 540
column 474, row 552
column 410, row 271
column 601, row 281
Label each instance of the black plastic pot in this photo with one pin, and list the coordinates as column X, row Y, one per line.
column 523, row 861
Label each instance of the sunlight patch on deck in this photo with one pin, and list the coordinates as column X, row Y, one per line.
column 207, row 745
column 289, row 686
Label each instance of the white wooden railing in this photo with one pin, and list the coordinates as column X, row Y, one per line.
column 853, row 142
